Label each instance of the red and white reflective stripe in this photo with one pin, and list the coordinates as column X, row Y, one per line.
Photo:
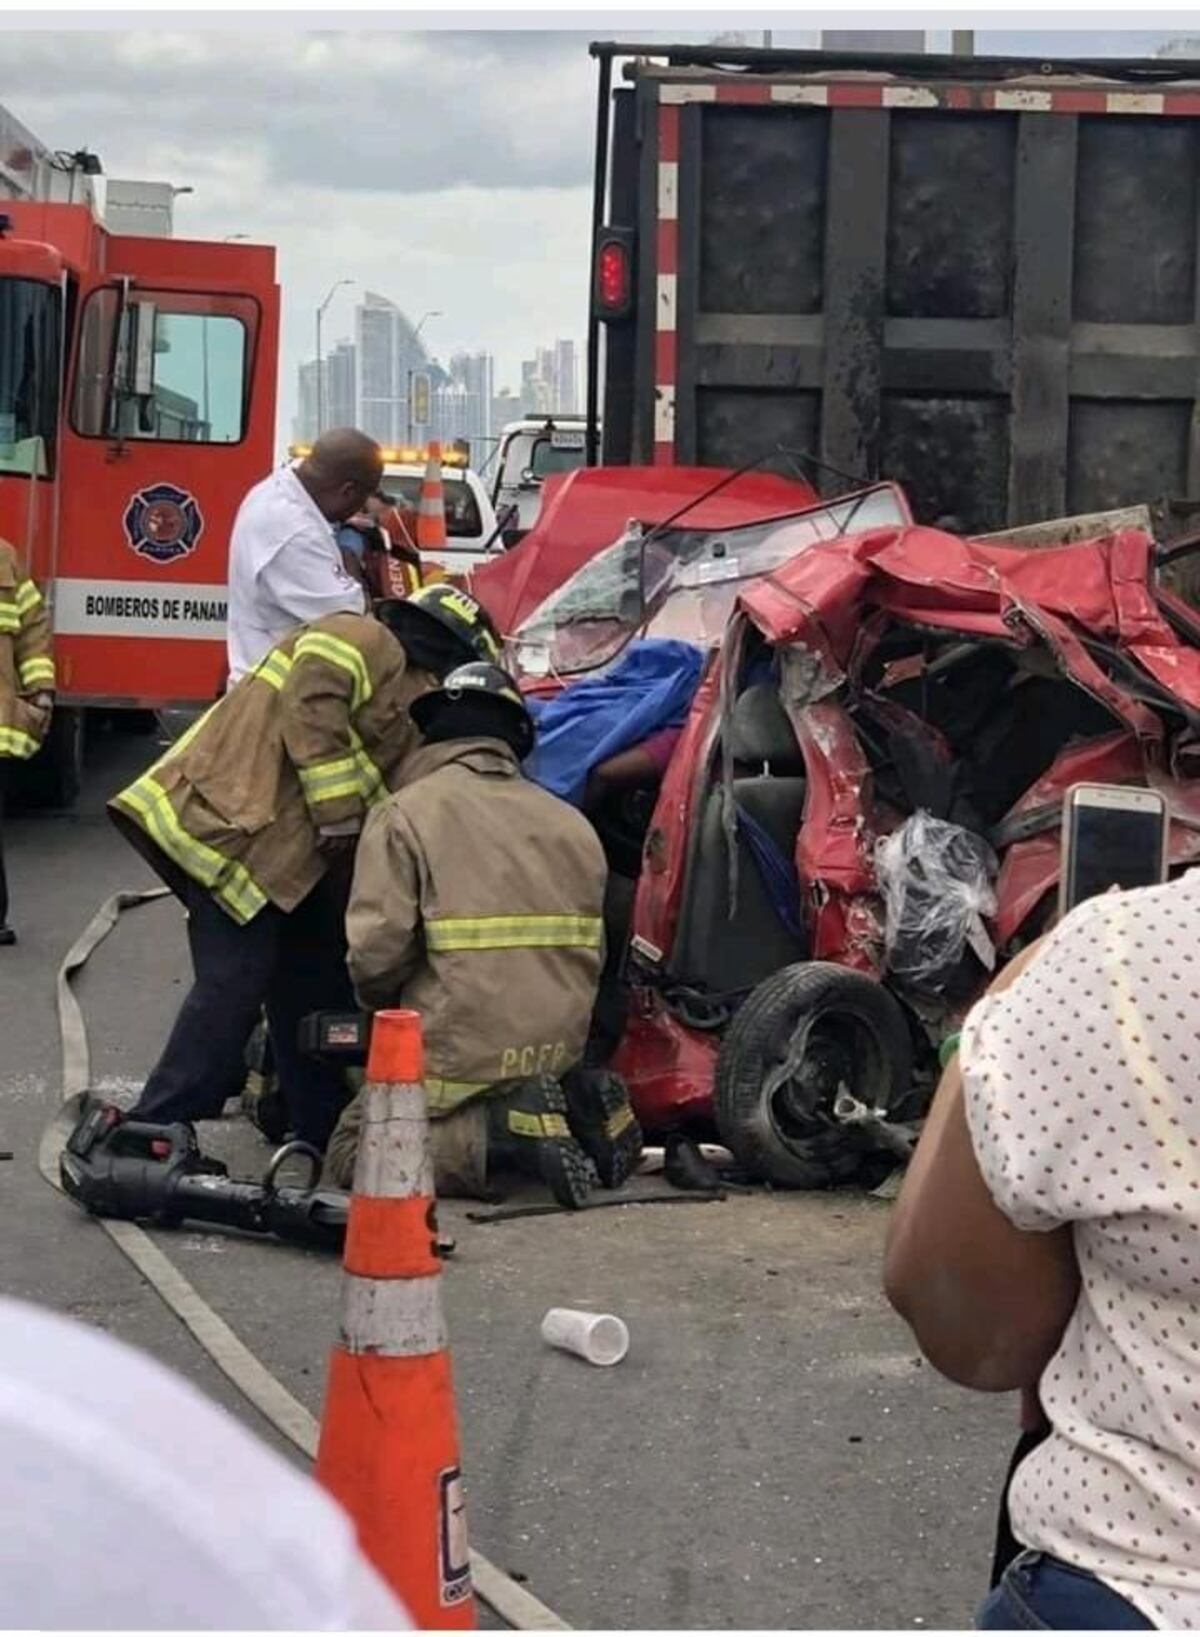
column 393, row 1318
column 878, row 93
column 393, row 1151
column 667, row 271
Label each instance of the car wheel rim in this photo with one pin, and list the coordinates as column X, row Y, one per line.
column 825, row 1054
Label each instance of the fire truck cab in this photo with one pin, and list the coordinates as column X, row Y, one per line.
column 137, row 406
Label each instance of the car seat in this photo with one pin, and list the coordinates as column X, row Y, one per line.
column 713, row 952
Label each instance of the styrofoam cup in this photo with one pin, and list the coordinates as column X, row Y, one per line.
column 600, row 1338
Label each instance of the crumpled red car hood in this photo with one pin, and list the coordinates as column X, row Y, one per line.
column 1096, row 588
column 586, row 510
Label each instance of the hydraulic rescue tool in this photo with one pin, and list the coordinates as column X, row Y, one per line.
column 118, row 1167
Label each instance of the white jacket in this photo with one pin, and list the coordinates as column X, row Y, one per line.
column 285, row 569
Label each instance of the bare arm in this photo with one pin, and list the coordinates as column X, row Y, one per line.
column 988, row 1302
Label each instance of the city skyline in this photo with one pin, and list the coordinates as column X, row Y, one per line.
column 369, row 383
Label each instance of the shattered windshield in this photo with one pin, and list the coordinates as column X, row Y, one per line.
column 678, row 583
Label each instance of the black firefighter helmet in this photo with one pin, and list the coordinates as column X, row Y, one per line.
column 441, row 627
column 476, row 701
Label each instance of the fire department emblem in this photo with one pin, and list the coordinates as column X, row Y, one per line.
column 163, row 523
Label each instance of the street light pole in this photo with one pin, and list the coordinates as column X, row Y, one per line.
column 333, row 290
column 416, row 337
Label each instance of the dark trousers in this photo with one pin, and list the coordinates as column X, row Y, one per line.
column 3, row 877
column 291, row 965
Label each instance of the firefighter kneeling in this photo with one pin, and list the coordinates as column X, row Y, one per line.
column 252, row 819
column 477, row 900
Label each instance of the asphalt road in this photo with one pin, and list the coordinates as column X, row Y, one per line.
column 772, row 1452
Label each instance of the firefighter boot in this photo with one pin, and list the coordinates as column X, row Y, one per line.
column 603, row 1120
column 528, row 1130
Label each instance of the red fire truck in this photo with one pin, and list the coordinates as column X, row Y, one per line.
column 137, row 406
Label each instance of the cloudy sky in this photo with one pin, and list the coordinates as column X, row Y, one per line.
column 446, row 170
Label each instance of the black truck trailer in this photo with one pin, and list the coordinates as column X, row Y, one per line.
column 978, row 277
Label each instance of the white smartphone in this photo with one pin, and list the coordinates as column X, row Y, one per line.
column 1113, row 835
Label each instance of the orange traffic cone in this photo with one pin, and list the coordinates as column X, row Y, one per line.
column 431, row 505
column 389, row 1441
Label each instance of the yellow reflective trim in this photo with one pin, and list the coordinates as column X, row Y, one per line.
column 514, row 932
column 335, row 792
column 274, row 669
column 618, row 1122
column 537, row 1125
column 229, row 882
column 10, row 620
column 339, row 771
column 28, row 598
column 16, row 742
column 33, row 671
column 370, row 778
column 336, row 651
column 454, row 1088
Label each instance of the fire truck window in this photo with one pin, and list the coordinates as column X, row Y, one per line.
column 172, row 376
column 199, row 378
column 30, row 324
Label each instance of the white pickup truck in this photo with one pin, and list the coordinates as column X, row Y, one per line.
column 530, row 451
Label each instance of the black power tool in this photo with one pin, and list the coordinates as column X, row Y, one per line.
column 118, row 1167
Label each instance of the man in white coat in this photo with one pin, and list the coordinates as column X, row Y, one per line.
column 285, row 567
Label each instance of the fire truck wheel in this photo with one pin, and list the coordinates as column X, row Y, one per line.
column 54, row 777
column 801, row 1036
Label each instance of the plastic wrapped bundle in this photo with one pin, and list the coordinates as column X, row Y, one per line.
column 936, row 880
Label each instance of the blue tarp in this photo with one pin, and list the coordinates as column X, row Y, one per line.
column 650, row 689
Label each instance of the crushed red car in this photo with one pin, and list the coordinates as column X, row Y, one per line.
column 861, row 816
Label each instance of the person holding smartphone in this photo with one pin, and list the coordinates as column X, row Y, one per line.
column 1047, row 1239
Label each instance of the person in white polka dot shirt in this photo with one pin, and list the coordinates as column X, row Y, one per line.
column 1048, row 1238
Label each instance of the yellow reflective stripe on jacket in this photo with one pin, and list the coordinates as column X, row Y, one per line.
column 513, row 932
column 455, row 1088
column 330, row 781
column 230, row 883
column 371, row 781
column 337, row 651
column 16, row 742
column 28, row 598
column 274, row 669
column 10, row 619
column 36, row 672
column 353, row 775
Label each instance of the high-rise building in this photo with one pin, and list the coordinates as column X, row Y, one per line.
column 367, row 383
column 389, row 353
column 550, row 381
column 341, row 384
column 566, row 378
column 464, row 404
column 340, row 407
column 304, row 427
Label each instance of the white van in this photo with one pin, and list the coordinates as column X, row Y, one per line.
column 528, row 452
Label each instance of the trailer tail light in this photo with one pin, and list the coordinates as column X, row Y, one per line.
column 612, row 295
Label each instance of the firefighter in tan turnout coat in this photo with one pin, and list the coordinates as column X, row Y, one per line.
column 252, row 819
column 26, row 686
column 477, row 900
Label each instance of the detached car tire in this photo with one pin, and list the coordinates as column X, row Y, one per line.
column 832, row 1027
